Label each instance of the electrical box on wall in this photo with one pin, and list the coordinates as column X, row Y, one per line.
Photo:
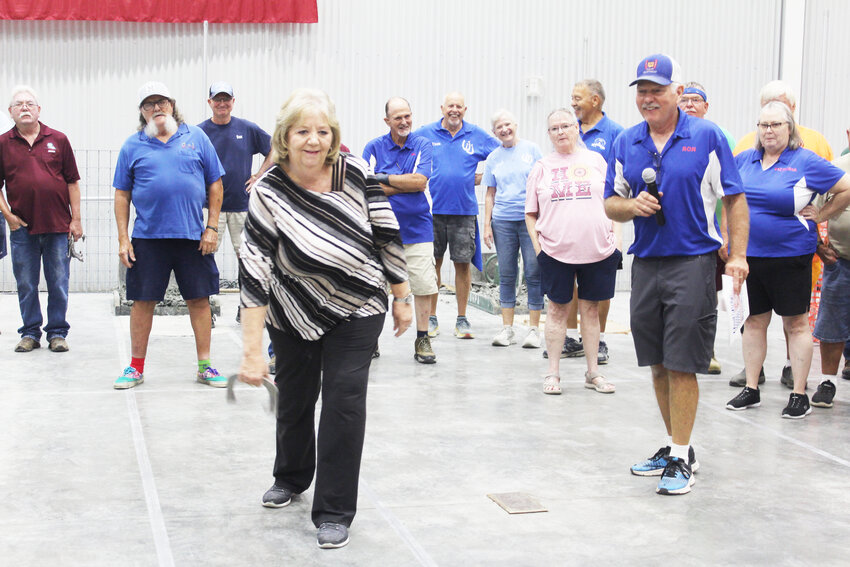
column 534, row 87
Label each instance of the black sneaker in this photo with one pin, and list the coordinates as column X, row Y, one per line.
column 823, row 397
column 739, row 380
column 277, row 497
column 787, row 378
column 798, row 407
column 747, row 398
column 846, row 372
column 332, row 535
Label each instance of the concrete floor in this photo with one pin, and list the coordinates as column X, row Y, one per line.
column 170, row 474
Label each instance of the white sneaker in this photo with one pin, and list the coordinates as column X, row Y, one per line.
column 532, row 339
column 505, row 337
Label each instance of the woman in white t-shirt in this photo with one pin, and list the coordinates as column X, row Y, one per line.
column 574, row 241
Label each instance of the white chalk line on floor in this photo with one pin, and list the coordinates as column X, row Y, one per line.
column 160, row 533
column 736, row 415
column 399, row 527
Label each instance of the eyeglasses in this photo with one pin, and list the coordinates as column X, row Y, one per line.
column 23, row 103
column 223, row 98
column 162, row 103
column 559, row 127
column 691, row 100
column 765, row 126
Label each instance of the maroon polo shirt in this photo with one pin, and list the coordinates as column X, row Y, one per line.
column 37, row 178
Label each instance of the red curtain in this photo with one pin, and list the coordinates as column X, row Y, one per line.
column 171, row 11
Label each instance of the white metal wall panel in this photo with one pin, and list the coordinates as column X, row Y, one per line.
column 362, row 52
column 823, row 98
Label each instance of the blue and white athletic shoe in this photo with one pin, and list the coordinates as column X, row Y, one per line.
column 655, row 465
column 677, row 477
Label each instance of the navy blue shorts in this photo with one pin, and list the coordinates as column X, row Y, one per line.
column 596, row 281
column 156, row 258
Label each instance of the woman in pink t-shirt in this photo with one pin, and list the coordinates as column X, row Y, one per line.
column 574, row 240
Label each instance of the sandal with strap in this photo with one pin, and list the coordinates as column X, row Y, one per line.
column 552, row 384
column 596, row 381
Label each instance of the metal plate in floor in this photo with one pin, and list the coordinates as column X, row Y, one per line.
column 517, row 503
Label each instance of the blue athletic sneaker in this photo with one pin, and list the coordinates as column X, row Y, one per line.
column 677, row 477
column 655, row 465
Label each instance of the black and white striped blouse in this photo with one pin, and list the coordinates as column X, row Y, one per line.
column 317, row 259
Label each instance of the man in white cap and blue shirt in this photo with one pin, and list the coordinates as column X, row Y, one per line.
column 666, row 174
column 236, row 141
column 167, row 170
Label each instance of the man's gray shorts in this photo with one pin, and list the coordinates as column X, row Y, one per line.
column 457, row 233
column 673, row 311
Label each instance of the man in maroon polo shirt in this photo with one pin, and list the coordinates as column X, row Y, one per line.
column 42, row 208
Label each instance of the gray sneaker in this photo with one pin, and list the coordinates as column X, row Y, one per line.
column 602, row 357
column 463, row 330
column 739, row 380
column 332, row 535
column 787, row 378
column 277, row 497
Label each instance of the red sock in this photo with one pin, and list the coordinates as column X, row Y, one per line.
column 138, row 364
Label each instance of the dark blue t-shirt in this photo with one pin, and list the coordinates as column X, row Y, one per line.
column 236, row 143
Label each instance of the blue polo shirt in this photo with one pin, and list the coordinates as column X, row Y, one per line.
column 507, row 170
column 412, row 210
column 601, row 137
column 694, row 169
column 168, row 182
column 236, row 143
column 775, row 197
column 455, row 158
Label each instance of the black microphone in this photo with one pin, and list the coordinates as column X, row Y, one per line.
column 648, row 175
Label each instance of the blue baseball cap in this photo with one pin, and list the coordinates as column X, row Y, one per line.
column 659, row 69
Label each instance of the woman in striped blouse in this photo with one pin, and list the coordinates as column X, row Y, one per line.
column 319, row 246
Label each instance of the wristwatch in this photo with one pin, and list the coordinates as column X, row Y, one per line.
column 406, row 299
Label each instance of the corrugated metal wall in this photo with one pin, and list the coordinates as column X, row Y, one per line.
column 826, row 82
column 88, row 73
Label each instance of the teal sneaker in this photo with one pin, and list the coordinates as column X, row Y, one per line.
column 129, row 379
column 211, row 377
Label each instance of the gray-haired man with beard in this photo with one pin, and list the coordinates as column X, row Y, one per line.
column 167, row 170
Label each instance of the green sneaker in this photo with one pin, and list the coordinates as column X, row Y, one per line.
column 211, row 377
column 129, row 379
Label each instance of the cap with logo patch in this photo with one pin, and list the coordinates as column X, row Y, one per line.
column 660, row 69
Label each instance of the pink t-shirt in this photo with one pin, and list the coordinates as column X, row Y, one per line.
column 566, row 192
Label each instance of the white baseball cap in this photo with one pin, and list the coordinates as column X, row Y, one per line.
column 153, row 88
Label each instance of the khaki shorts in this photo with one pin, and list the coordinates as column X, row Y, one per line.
column 421, row 269
column 234, row 222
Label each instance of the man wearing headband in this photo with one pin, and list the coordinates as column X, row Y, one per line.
column 694, row 102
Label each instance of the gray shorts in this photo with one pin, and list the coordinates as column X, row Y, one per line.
column 673, row 311
column 456, row 232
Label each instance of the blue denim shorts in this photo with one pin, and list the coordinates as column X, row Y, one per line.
column 833, row 322
column 195, row 273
